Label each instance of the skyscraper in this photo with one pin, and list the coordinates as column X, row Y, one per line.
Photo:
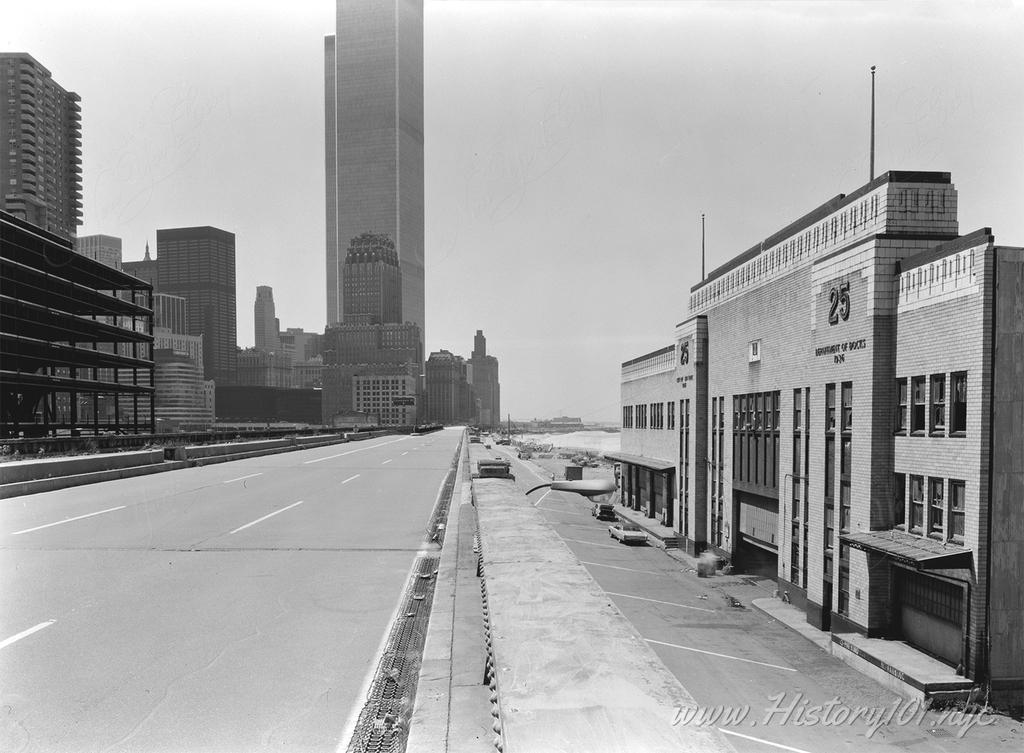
column 198, row 263
column 266, row 324
column 41, row 130
column 483, row 370
column 372, row 281
column 374, row 133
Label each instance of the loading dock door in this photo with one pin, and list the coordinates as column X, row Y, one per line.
column 930, row 612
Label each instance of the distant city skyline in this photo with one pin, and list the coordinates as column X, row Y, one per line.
column 571, row 149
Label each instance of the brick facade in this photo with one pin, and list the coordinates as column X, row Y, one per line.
column 810, row 345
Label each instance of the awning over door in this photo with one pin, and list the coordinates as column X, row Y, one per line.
column 652, row 463
column 917, row 551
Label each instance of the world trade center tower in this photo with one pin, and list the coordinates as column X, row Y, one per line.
column 374, row 131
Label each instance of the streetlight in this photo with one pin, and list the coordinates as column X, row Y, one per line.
column 589, row 488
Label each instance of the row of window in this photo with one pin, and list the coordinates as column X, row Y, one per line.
column 934, row 506
column 662, row 416
column 923, row 405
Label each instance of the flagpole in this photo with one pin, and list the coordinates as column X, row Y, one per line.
column 702, row 247
column 871, row 177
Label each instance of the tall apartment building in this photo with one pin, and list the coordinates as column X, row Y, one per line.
column 106, row 249
column 483, row 375
column 374, row 141
column 266, row 325
column 198, row 264
column 41, row 134
column 372, row 281
column 841, row 411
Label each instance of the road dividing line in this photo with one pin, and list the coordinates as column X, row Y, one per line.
column 724, row 656
column 67, row 520
column 542, row 496
column 25, row 633
column 588, row 543
column 763, row 742
column 387, row 461
column 350, row 478
column 242, row 478
column 616, row 567
column 350, row 452
column 658, row 601
column 270, row 515
column 405, row 453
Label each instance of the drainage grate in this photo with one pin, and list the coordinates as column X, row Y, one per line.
column 384, row 721
column 383, row 724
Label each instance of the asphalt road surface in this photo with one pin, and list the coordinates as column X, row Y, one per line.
column 752, row 677
column 236, row 606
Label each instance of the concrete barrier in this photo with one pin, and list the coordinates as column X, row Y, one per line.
column 34, row 476
column 34, row 470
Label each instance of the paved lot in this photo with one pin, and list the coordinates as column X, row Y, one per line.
column 228, row 607
column 738, row 661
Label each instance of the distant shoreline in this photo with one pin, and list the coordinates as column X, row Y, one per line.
column 594, row 440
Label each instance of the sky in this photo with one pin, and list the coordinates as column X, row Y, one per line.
column 571, row 148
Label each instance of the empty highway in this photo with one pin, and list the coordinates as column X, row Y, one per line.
column 235, row 606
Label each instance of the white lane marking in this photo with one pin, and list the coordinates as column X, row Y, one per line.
column 763, row 742
column 724, row 656
column 350, row 478
column 67, row 520
column 405, row 453
column 616, row 567
column 590, row 543
column 542, row 496
column 270, row 515
column 350, row 452
column 242, row 478
column 659, row 601
column 563, row 512
column 25, row 633
column 387, row 461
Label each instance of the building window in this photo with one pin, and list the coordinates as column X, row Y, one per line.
column 916, row 503
column 830, row 407
column 797, row 414
column 958, row 400
column 844, row 579
column 956, row 510
column 936, row 505
column 899, row 501
column 847, row 417
column 938, row 404
column 901, row 406
column 671, row 415
column 917, row 407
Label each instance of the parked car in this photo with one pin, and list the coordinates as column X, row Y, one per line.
column 627, row 533
column 603, row 511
